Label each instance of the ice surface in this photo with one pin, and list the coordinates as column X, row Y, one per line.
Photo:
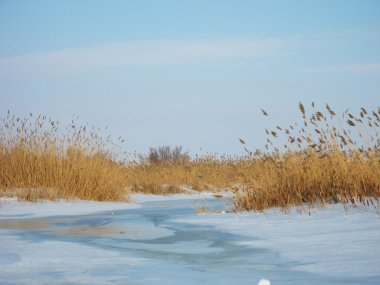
column 162, row 240
column 330, row 241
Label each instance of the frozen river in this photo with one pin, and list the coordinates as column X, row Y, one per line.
column 163, row 240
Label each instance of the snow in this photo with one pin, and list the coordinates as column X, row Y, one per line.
column 11, row 208
column 330, row 241
column 189, row 195
column 162, row 240
column 264, row 282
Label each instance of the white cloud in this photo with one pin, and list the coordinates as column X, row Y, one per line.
column 144, row 54
column 359, row 68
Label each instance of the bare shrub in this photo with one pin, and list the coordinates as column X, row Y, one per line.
column 166, row 154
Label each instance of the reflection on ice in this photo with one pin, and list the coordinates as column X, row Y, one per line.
column 24, row 224
column 94, row 227
column 117, row 231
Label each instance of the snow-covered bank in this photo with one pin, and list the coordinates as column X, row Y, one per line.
column 11, row 208
column 188, row 195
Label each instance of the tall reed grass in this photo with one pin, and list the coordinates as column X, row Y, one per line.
column 40, row 159
column 325, row 159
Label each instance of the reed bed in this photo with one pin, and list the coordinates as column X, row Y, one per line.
column 41, row 160
column 325, row 159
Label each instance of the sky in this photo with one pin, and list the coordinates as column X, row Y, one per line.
column 191, row 73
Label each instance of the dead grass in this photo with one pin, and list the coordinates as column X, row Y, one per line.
column 39, row 162
column 326, row 159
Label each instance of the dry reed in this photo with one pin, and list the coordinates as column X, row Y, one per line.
column 326, row 160
column 38, row 161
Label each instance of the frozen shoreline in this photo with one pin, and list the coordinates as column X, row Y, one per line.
column 11, row 208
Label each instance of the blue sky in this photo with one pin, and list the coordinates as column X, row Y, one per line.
column 191, row 73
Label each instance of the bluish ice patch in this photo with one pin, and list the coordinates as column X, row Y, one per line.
column 9, row 258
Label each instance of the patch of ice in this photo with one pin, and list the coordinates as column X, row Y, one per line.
column 23, row 261
column 330, row 241
column 179, row 247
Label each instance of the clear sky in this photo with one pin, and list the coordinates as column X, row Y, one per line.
column 192, row 73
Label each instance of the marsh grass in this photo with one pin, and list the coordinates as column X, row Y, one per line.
column 41, row 160
column 325, row 159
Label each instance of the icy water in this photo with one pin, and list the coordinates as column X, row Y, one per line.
column 147, row 245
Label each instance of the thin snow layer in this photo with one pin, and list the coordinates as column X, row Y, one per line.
column 330, row 241
column 188, row 195
column 13, row 209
